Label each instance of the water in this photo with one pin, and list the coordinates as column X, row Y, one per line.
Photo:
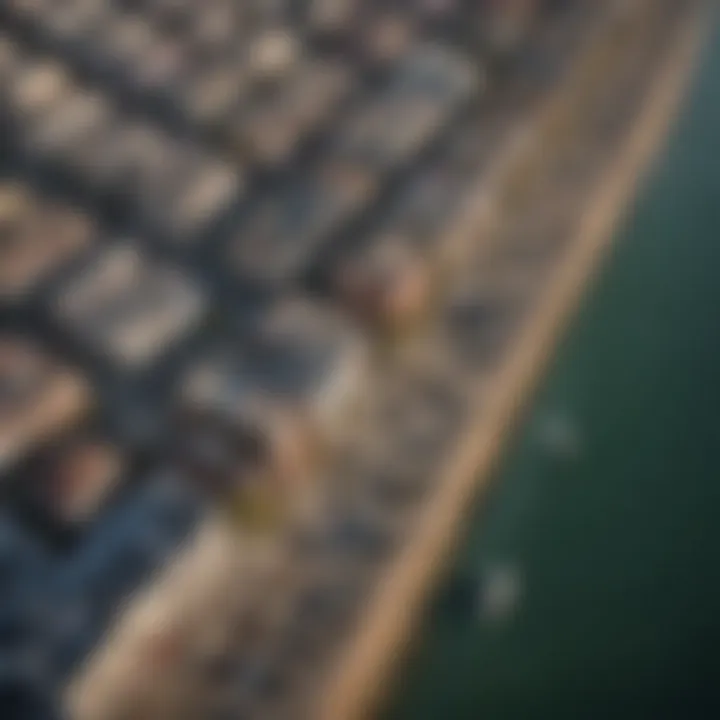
column 613, row 548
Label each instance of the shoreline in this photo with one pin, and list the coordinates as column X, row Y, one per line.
column 395, row 610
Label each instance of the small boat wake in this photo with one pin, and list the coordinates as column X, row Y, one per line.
column 560, row 436
column 490, row 596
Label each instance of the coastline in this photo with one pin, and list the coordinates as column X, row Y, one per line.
column 365, row 671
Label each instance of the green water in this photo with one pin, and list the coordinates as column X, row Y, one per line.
column 615, row 551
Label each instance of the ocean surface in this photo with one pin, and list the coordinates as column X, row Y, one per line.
column 589, row 583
